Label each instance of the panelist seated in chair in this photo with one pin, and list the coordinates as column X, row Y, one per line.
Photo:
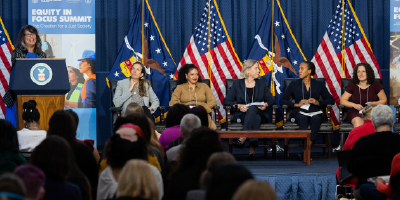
column 191, row 91
column 248, row 90
column 306, row 93
column 362, row 89
column 136, row 89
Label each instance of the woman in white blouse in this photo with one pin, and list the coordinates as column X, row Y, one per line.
column 31, row 135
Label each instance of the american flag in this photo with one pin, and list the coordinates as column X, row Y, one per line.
column 5, row 65
column 328, row 58
column 225, row 64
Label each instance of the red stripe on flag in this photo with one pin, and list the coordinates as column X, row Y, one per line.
column 221, row 75
column 330, row 60
column 234, row 57
column 359, row 53
column 350, row 57
column 327, row 78
column 226, row 62
column 6, row 63
column 371, row 55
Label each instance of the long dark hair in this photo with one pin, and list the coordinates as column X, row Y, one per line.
column 175, row 115
column 21, row 40
column 61, row 123
column 185, row 69
column 31, row 113
column 8, row 137
column 368, row 69
column 78, row 73
column 200, row 112
column 142, row 88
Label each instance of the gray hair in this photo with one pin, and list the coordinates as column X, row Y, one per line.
column 247, row 65
column 382, row 115
column 189, row 122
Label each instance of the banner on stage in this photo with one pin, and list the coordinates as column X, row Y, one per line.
column 67, row 30
column 394, row 52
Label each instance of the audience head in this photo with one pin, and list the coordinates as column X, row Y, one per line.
column 11, row 187
column 53, row 157
column 367, row 113
column 33, row 179
column 61, row 123
column 137, row 179
column 255, row 190
column 188, row 72
column 225, row 181
column 201, row 144
column 189, row 122
column 31, row 113
column 216, row 160
column 306, row 69
column 74, row 116
column 363, row 71
column 382, row 115
column 248, row 67
column 141, row 120
column 175, row 114
column 8, row 136
column 120, row 150
column 133, row 108
column 200, row 112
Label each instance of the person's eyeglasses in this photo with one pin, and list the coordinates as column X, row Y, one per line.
column 29, row 35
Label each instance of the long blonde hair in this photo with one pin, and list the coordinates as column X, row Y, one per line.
column 137, row 179
column 255, row 190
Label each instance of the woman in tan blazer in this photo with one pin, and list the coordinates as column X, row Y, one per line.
column 192, row 92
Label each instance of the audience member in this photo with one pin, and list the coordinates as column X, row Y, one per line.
column 63, row 124
column 53, row 157
column 133, row 108
column 202, row 114
column 193, row 157
column 154, row 141
column 365, row 129
column 89, row 143
column 189, row 122
column 30, row 136
column 255, row 190
column 225, row 181
column 216, row 160
column 119, row 150
column 33, row 179
column 364, row 161
column 381, row 190
column 172, row 124
column 143, row 122
column 10, row 157
column 11, row 187
column 137, row 182
column 128, row 133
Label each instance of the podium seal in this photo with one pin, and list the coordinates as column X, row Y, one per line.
column 41, row 73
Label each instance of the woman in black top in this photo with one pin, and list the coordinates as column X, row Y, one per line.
column 246, row 91
column 306, row 93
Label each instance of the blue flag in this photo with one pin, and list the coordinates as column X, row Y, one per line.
column 156, row 56
column 277, row 52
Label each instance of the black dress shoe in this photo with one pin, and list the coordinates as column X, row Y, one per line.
column 238, row 144
column 252, row 157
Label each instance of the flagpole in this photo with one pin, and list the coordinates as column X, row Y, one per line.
column 272, row 50
column 209, row 40
column 143, row 31
column 343, row 42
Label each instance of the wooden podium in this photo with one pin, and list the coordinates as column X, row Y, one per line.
column 44, row 80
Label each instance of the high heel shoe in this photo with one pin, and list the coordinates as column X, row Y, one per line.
column 238, row 144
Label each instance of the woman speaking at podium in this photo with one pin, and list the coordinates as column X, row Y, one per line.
column 28, row 45
column 249, row 90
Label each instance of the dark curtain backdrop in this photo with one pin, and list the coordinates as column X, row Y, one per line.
column 176, row 19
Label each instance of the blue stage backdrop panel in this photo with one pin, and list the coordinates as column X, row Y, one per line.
column 178, row 18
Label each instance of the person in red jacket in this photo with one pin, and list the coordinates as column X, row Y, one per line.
column 380, row 190
column 365, row 129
